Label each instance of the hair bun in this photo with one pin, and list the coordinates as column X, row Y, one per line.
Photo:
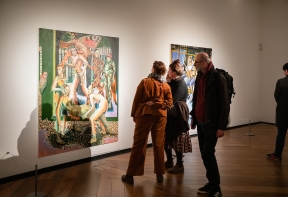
column 177, row 61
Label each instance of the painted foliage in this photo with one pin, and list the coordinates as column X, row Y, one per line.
column 78, row 90
column 186, row 55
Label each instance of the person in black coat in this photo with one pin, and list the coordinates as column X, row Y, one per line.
column 177, row 127
column 281, row 97
column 211, row 107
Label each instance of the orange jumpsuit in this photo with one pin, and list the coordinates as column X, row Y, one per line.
column 149, row 118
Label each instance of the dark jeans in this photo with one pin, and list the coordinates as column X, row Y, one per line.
column 280, row 142
column 207, row 142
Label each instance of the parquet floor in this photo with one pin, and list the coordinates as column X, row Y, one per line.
column 245, row 172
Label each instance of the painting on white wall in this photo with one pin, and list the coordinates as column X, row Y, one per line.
column 186, row 55
column 78, row 91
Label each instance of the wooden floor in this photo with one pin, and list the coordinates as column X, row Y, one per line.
column 245, row 172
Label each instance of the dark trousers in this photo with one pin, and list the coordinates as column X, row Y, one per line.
column 179, row 156
column 280, row 142
column 143, row 126
column 207, row 142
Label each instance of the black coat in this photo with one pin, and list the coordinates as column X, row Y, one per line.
column 178, row 122
column 179, row 90
column 217, row 102
column 177, row 118
column 281, row 97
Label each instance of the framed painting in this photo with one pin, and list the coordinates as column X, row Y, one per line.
column 78, row 91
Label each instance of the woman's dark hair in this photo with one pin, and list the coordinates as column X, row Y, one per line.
column 176, row 67
column 159, row 67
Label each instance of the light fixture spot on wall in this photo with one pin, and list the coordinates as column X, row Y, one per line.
column 260, row 47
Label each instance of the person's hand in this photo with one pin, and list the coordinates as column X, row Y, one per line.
column 74, row 117
column 71, row 65
column 168, row 79
column 219, row 133
column 75, row 101
column 150, row 103
column 62, row 90
column 84, row 116
column 88, row 101
column 193, row 126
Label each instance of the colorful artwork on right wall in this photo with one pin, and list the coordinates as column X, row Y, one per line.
column 186, row 55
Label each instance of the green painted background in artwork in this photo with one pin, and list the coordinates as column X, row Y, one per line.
column 46, row 40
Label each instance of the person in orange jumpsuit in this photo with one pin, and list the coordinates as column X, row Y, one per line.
column 149, row 111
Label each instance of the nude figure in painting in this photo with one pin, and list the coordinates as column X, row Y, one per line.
column 85, row 111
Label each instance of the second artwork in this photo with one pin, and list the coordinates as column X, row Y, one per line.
column 186, row 55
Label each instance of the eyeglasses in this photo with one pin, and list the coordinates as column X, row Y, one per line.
column 197, row 62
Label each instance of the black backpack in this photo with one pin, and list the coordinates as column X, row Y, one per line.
column 229, row 80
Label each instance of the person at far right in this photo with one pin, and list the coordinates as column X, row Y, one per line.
column 211, row 107
column 281, row 98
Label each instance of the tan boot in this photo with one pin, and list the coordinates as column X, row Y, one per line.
column 176, row 169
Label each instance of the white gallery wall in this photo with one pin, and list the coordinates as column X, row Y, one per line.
column 274, row 39
column 232, row 28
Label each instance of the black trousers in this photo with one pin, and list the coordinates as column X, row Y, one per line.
column 207, row 142
column 280, row 141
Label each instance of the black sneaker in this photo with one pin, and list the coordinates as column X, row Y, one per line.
column 159, row 178
column 127, row 179
column 205, row 189
column 273, row 157
column 215, row 194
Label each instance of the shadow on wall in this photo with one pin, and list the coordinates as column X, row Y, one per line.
column 30, row 143
column 13, row 164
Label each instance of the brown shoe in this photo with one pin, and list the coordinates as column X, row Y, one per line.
column 176, row 169
column 128, row 179
column 159, row 178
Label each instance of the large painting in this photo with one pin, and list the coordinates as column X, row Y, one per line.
column 186, row 55
column 78, row 91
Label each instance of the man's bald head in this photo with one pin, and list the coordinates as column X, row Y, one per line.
column 202, row 61
column 204, row 57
